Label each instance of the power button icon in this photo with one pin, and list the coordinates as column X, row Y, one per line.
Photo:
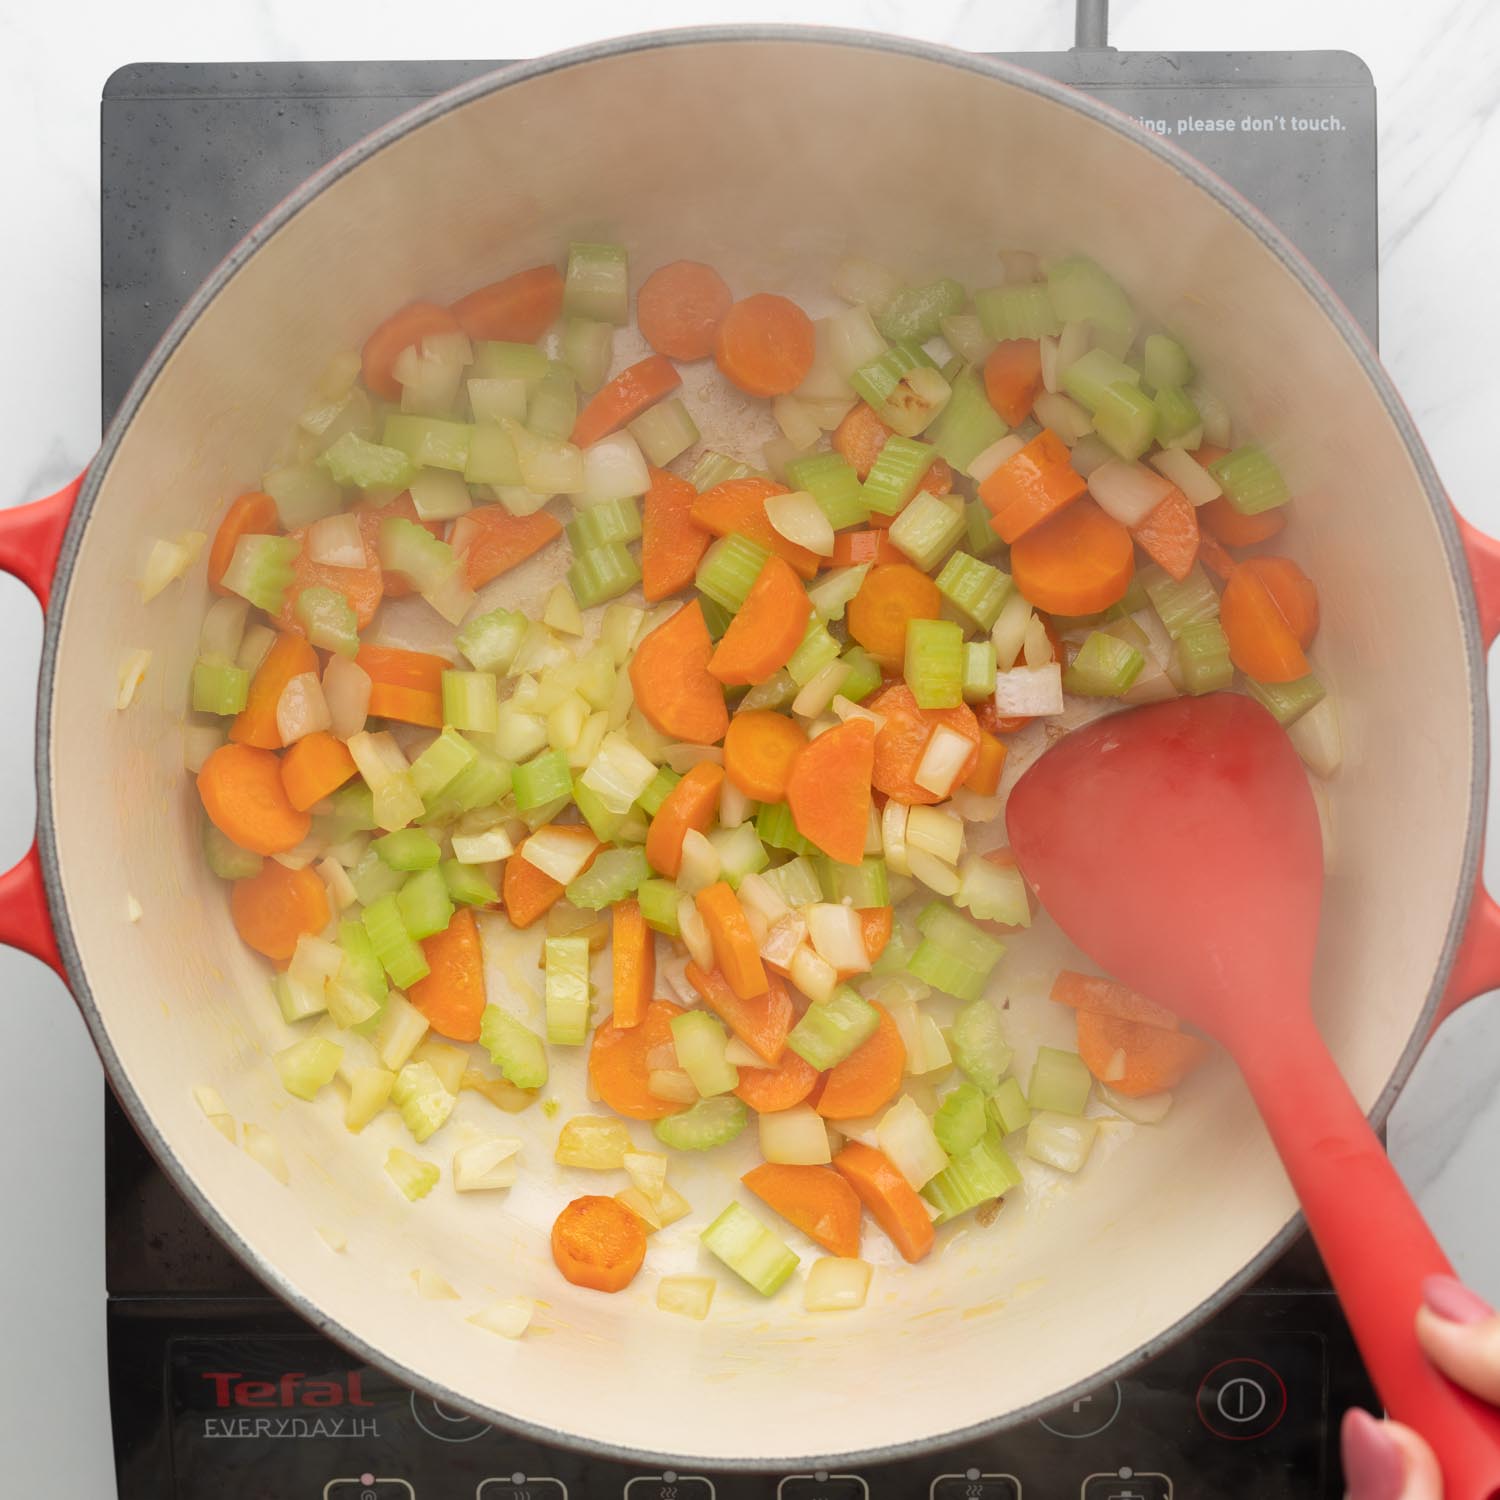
column 1241, row 1399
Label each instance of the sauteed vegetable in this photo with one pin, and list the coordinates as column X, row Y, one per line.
column 745, row 752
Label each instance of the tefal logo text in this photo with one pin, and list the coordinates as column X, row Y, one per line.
column 292, row 1390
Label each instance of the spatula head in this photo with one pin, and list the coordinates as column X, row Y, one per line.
column 1178, row 846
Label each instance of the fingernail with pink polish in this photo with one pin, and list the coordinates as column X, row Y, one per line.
column 1373, row 1466
column 1453, row 1301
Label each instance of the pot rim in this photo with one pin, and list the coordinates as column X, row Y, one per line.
column 305, row 194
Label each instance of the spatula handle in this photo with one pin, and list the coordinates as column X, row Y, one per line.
column 1374, row 1241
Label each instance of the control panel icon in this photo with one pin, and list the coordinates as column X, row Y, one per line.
column 445, row 1423
column 1087, row 1416
column 1127, row 1484
column 974, row 1485
column 821, row 1485
column 670, row 1486
column 522, row 1487
column 368, row 1487
column 1240, row 1399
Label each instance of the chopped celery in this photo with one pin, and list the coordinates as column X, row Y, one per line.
column 980, row 1174
column 797, row 881
column 587, row 348
column 729, row 568
column 415, row 1178
column 329, row 620
column 715, row 616
column 1176, row 416
column 1203, row 657
column 1061, row 1141
column 1059, row 1082
column 954, row 955
column 774, row 825
column 658, row 901
column 1287, row 701
column 777, row 691
column 1008, row 1108
column 360, row 969
column 219, row 687
column 408, row 849
column 398, row 953
column 831, row 594
column 978, row 1044
column 480, row 784
column 965, row 335
column 445, row 758
column 878, row 379
column 424, row 1103
column 497, row 360
column 749, row 1249
column 430, row 442
column 368, row 466
column 614, row 875
column 864, row 674
column 1088, row 379
column 609, row 521
column 863, row 885
column 968, row 424
column 916, row 312
column 960, row 1121
column 1104, row 667
column 260, row 570
column 979, row 671
column 817, row 650
column 831, row 1029
column 440, row 495
column 303, row 493
column 465, row 885
column 471, row 701
column 513, row 1048
column 491, row 400
column 934, row 666
column 1022, row 311
column 699, row 1040
column 1126, row 419
column 657, row 791
column 899, row 947
column 1166, row 362
column 597, row 284
column 708, row 1123
column 1250, row 480
column 618, row 773
column 993, row 893
column 568, row 992
column 225, row 858
column 740, row 853
column 553, row 409
column 1083, row 292
column 491, row 641
column 664, row 431
column 424, row 904
column 714, row 468
column 298, row 1002
column 541, row 780
column 896, row 472
column 491, row 457
column 412, row 550
column 604, row 823
column 928, row 528
column 982, row 538
column 831, row 480
column 373, row 878
column 1178, row 605
column 308, row 1065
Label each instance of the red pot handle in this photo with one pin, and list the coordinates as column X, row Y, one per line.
column 30, row 540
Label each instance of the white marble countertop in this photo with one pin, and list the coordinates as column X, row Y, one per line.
column 1439, row 306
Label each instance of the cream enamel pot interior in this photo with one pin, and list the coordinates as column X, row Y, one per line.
column 751, row 150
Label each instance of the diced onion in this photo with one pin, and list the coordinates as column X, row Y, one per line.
column 700, row 863
column 1089, row 453
column 1061, row 1141
column 167, row 561
column 856, row 279
column 1183, row 470
column 223, row 628
column 647, row 1171
column 893, row 820
column 133, row 909
column 779, row 453
column 829, row 411
column 213, row 1106
column 341, row 892
column 1317, row 738
column 302, row 709
column 739, row 1055
column 199, row 741
column 944, row 758
column 784, row 939
column 797, row 423
column 433, row 1287
column 440, row 495
column 987, row 460
column 1030, row 691
column 673, row 1085
column 494, row 399
column 1062, row 415
column 1009, row 633
column 1144, row 1109
column 800, row 519
column 1217, row 428
column 846, row 710
column 1037, row 647
column 486, row 1165
column 837, row 937
column 694, row 931
column 936, row 831
column 824, row 381
column 836, row 1283
column 821, row 689
column 812, row 974
column 734, row 805
column 1075, row 340
column 558, row 852
column 346, row 691
column 1128, row 492
column 481, row 848
column 614, row 468
column 261, row 1146
column 254, row 646
column 595, row 1143
column 682, row 758
column 757, row 894
column 853, row 340
column 691, row 1296
column 510, row 1317
column 795, row 1137
column 1047, row 347
column 132, row 673
column 619, row 773
column 932, row 872
column 337, row 542
column 906, row 1136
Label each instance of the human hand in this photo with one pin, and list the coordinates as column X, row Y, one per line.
column 1460, row 1333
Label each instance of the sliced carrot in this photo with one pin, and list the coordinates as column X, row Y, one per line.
column 253, row 514
column 902, row 739
column 1215, row 557
column 1133, row 1058
column 859, row 439
column 452, row 995
column 868, row 1078
column 1092, row 992
column 765, row 345
column 406, row 326
column 762, row 1022
column 866, row 545
column 738, row 507
column 673, row 686
column 815, row 1200
column 317, row 765
column 938, row 480
column 1262, row 644
column 491, row 541
column 672, row 542
column 1292, row 591
column 529, row 893
column 769, row 627
column 759, row 749
column 766, row 1090
column 1169, row 535
column 242, row 794
column 1032, row 486
column 1079, row 562
column 736, row 953
column 679, row 308
column 633, row 958
column 1228, row 526
column 889, row 598
column 519, row 309
column 875, row 926
column 405, row 685
column 598, row 1243
column 397, row 585
column 984, row 779
column 692, row 803
column 1012, row 378
column 891, row 1199
column 619, row 1067
column 362, row 587
column 273, row 909
column 829, row 789
column 643, row 384
column 290, row 656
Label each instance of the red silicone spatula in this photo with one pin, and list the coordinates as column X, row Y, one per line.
column 1178, row 846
